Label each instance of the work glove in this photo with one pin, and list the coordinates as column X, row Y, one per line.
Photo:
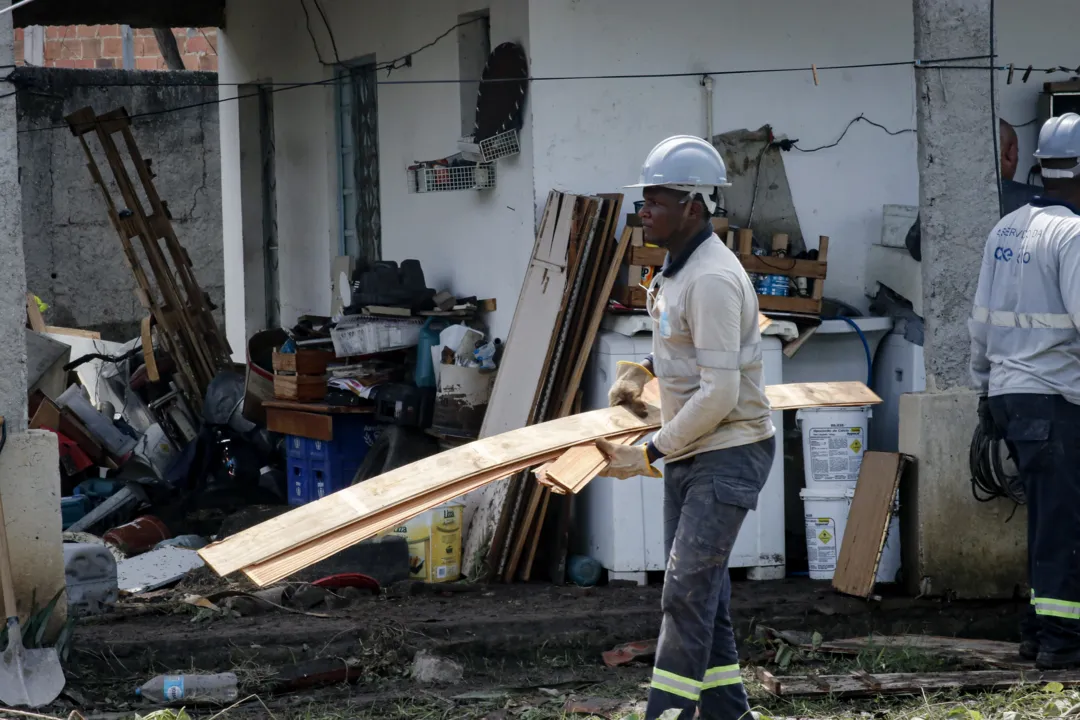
column 630, row 381
column 986, row 420
column 626, row 461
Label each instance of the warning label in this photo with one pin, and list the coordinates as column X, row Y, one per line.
column 821, row 544
column 835, row 453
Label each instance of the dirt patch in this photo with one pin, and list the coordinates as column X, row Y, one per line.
column 553, row 634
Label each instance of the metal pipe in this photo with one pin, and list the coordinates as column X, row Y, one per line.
column 707, row 83
column 16, row 5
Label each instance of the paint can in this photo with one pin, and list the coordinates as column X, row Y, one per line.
column 138, row 536
column 826, row 512
column 833, row 442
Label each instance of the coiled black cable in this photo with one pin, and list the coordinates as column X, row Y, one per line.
column 990, row 476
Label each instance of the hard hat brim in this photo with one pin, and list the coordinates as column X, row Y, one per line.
column 645, row 185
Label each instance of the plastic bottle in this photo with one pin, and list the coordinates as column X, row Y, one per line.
column 219, row 688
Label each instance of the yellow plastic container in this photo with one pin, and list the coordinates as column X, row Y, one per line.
column 434, row 539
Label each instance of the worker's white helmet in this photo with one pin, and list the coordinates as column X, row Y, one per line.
column 1059, row 139
column 687, row 163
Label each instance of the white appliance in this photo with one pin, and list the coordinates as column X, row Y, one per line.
column 898, row 369
column 621, row 522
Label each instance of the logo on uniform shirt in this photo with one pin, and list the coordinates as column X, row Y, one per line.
column 1007, row 254
column 665, row 324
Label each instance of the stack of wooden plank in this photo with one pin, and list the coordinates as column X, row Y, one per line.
column 578, row 465
column 279, row 547
column 575, row 263
column 181, row 310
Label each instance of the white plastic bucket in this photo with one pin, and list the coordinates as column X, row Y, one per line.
column 833, row 441
column 826, row 513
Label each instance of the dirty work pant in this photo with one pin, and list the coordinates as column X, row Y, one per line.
column 697, row 665
column 1043, row 436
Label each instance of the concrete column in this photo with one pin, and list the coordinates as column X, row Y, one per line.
column 957, row 198
column 12, row 263
column 952, row 544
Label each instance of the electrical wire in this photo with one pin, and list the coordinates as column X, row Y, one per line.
column 860, row 118
column 311, row 33
column 326, row 22
column 990, row 478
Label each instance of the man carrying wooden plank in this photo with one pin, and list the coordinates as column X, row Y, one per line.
column 717, row 435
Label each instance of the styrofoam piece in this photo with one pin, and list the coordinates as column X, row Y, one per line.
column 91, row 578
column 156, row 569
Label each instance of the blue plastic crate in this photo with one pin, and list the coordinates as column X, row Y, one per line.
column 317, row 468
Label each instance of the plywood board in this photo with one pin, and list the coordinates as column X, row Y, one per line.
column 827, row 394
column 352, row 504
column 868, row 522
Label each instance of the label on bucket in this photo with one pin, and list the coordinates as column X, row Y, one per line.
column 835, row 453
column 821, row 545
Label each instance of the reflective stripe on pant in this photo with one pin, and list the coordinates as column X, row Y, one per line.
column 696, row 658
column 1043, row 434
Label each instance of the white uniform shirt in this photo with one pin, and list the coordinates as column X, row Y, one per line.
column 1024, row 337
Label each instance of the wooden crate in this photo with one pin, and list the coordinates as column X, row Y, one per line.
column 303, row 362
column 303, row 388
column 813, row 270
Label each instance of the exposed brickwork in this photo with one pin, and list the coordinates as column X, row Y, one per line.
column 101, row 46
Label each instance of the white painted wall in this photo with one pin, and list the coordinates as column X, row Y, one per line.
column 1040, row 33
column 592, row 135
column 469, row 243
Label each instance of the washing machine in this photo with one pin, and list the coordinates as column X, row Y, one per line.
column 620, row 523
column 898, row 369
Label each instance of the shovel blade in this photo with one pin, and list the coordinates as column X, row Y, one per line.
column 32, row 678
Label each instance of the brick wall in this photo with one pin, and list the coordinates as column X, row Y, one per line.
column 101, row 46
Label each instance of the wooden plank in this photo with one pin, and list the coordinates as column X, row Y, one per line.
column 534, row 539
column 521, row 370
column 302, row 362
column 763, row 322
column 309, row 425
column 529, row 519
column 789, row 267
column 776, row 303
column 868, row 522
column 794, row 396
column 580, row 461
column 74, row 332
column 33, row 314
column 850, row 686
column 286, row 564
column 302, row 388
column 147, row 339
column 971, row 651
column 352, row 504
column 651, row 256
column 319, row 407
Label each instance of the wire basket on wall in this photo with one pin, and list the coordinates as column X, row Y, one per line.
column 447, row 178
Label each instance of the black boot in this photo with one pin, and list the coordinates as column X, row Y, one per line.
column 1029, row 650
column 1066, row 660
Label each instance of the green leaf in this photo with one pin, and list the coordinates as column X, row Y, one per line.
column 784, row 655
column 43, row 618
column 816, row 640
column 1054, row 687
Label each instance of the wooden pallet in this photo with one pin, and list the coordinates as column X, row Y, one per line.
column 168, row 289
column 813, row 270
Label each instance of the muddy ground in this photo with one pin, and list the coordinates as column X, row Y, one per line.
column 524, row 641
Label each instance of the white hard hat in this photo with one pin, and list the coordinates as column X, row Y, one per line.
column 683, row 160
column 1059, row 139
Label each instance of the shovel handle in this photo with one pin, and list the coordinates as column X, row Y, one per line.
column 7, row 581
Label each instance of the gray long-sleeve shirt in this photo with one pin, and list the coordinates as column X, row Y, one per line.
column 1024, row 336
